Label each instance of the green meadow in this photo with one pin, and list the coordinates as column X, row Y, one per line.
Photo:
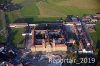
column 52, row 9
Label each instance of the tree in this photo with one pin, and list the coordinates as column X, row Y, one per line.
column 98, row 58
column 2, row 1
column 98, row 44
column 71, row 55
column 2, row 4
column 77, row 42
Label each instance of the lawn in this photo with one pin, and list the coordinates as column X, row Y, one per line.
column 17, row 36
column 53, row 8
column 17, row 1
column 82, row 4
column 96, row 35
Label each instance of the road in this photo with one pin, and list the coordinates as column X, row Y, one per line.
column 27, row 37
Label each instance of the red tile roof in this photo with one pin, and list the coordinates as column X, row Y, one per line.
column 30, row 64
column 9, row 64
column 72, row 22
column 38, row 46
column 98, row 15
column 60, row 45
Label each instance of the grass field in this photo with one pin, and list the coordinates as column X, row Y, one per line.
column 38, row 9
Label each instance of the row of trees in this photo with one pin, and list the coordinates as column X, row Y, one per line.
column 2, row 1
column 2, row 4
column 2, row 37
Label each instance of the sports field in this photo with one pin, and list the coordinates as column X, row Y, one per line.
column 53, row 9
